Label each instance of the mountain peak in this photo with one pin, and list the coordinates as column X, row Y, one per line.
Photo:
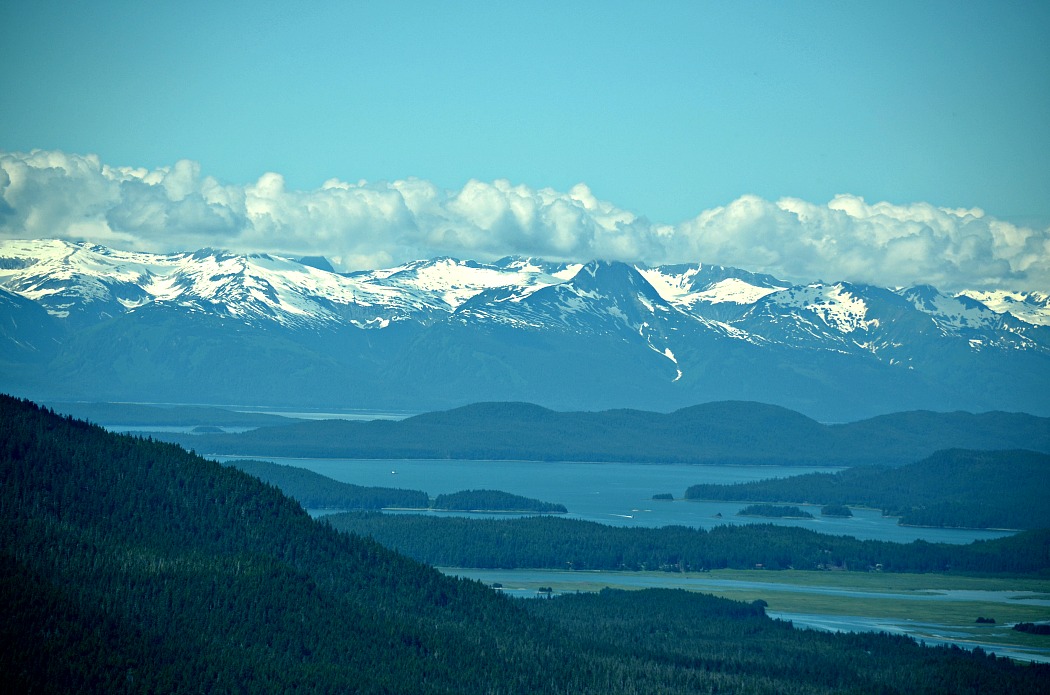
column 613, row 276
column 318, row 262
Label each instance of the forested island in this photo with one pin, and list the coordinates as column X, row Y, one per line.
column 958, row 488
column 316, row 491
column 493, row 501
column 775, row 511
column 129, row 565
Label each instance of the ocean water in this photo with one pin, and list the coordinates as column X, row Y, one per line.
column 619, row 493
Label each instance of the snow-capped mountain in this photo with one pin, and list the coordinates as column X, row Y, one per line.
column 1032, row 307
column 86, row 283
column 81, row 320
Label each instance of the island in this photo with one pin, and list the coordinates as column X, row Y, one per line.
column 774, row 510
column 493, row 501
column 836, row 510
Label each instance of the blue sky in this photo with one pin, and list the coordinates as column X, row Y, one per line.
column 663, row 109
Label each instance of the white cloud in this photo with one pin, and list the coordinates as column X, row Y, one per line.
column 366, row 225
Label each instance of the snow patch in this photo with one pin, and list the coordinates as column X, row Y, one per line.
column 734, row 291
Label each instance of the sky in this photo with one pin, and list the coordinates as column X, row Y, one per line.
column 885, row 142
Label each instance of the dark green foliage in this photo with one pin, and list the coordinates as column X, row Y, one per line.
column 130, row 566
column 1033, row 628
column 315, row 491
column 681, row 635
column 493, row 500
column 664, row 497
column 971, row 489
column 557, row 543
column 774, row 510
column 836, row 510
column 724, row 432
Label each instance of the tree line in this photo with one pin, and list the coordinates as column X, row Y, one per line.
column 559, row 543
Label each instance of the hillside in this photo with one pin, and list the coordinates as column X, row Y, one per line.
column 133, row 566
column 725, row 432
column 973, row 489
column 315, row 491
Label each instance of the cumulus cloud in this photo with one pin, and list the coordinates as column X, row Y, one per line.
column 368, row 225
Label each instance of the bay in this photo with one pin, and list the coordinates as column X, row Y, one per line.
column 619, row 493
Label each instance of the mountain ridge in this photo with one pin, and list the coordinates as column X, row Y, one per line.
column 438, row 333
column 728, row 432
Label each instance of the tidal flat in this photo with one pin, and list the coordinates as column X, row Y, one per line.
column 935, row 608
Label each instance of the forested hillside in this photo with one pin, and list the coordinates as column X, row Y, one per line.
column 315, row 491
column 556, row 543
column 130, row 566
column 971, row 489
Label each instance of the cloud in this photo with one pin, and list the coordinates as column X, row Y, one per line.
column 366, row 225
column 880, row 243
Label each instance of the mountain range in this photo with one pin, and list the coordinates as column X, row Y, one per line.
column 85, row 322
